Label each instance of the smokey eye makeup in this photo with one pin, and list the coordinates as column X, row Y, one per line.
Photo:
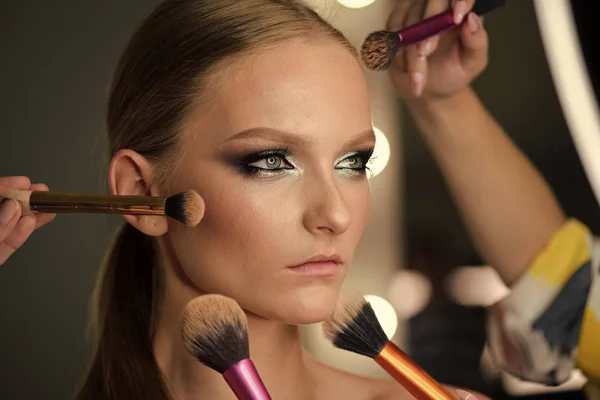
column 356, row 162
column 266, row 162
column 276, row 161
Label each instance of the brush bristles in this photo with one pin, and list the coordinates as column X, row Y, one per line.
column 353, row 326
column 378, row 49
column 186, row 207
column 215, row 331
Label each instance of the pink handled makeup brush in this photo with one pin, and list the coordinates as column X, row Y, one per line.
column 215, row 332
column 379, row 48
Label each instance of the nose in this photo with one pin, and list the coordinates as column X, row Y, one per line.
column 327, row 212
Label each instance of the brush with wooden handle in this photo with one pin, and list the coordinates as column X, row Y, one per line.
column 186, row 207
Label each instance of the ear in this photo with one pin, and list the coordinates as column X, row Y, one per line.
column 130, row 173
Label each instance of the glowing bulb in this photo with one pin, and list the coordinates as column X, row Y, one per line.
column 476, row 286
column 381, row 153
column 409, row 293
column 385, row 314
column 355, row 3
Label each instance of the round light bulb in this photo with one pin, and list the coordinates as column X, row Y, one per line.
column 476, row 286
column 385, row 313
column 355, row 3
column 409, row 293
column 381, row 153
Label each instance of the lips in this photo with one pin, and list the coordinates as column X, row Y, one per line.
column 320, row 258
column 319, row 266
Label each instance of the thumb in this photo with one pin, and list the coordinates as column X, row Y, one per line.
column 474, row 39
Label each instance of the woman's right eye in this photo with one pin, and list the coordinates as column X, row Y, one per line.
column 271, row 163
column 267, row 163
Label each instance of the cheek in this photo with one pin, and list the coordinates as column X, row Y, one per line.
column 359, row 202
column 243, row 227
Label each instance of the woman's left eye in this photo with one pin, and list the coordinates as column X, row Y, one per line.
column 352, row 162
column 356, row 161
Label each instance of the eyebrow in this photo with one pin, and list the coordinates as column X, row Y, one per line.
column 294, row 139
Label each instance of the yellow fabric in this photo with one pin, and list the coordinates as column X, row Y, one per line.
column 568, row 250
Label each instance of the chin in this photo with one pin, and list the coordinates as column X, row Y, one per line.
column 307, row 306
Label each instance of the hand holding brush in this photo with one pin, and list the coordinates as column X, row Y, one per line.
column 186, row 207
column 380, row 47
column 25, row 207
column 15, row 228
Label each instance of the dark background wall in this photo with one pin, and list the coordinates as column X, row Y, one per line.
column 57, row 58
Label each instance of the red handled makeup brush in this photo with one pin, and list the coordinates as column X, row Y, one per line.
column 379, row 48
column 354, row 327
column 215, row 332
column 186, row 207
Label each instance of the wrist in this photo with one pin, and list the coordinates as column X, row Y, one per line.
column 452, row 122
column 432, row 110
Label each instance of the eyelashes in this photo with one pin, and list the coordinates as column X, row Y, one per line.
column 267, row 162
column 274, row 162
column 356, row 162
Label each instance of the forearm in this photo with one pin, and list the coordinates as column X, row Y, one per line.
column 507, row 206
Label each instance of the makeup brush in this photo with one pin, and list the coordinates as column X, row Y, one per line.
column 186, row 207
column 353, row 326
column 215, row 332
column 379, row 48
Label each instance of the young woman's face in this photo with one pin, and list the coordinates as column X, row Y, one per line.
column 279, row 152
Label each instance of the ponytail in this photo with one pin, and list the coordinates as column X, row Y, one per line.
column 125, row 300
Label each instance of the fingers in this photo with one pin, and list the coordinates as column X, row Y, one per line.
column 464, row 395
column 432, row 7
column 10, row 212
column 15, row 182
column 461, row 8
column 415, row 57
column 397, row 17
column 22, row 230
column 16, row 228
column 42, row 219
column 474, row 38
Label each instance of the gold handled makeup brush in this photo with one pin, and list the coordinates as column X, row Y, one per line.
column 215, row 332
column 186, row 207
column 353, row 326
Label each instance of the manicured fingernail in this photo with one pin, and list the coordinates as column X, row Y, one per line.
column 473, row 21
column 460, row 9
column 8, row 210
column 464, row 395
column 416, row 83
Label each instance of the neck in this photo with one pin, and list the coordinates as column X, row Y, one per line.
column 275, row 349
